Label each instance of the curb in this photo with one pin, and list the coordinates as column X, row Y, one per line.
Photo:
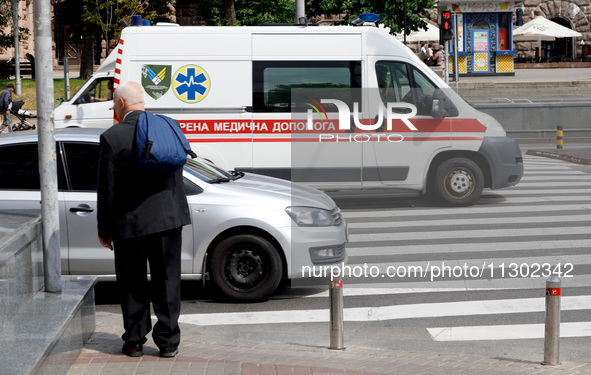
column 561, row 156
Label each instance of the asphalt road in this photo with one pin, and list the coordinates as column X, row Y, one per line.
column 543, row 220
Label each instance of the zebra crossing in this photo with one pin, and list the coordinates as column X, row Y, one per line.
column 512, row 239
column 517, row 237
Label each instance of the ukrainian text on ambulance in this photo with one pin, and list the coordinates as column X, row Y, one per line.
column 433, row 271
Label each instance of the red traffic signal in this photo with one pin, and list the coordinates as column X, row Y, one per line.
column 445, row 25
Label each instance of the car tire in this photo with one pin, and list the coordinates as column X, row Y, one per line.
column 458, row 182
column 246, row 267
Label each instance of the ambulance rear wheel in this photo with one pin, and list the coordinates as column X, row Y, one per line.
column 246, row 267
column 458, row 182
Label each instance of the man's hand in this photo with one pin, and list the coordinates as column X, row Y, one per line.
column 106, row 242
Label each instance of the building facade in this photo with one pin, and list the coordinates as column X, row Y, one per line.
column 573, row 14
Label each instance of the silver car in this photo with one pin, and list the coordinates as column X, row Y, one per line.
column 247, row 233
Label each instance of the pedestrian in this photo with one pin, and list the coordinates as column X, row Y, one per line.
column 140, row 216
column 423, row 53
column 439, row 57
column 5, row 104
column 31, row 59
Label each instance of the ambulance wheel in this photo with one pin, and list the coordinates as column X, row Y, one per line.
column 246, row 267
column 458, row 182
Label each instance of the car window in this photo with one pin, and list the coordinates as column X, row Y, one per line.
column 99, row 89
column 191, row 188
column 274, row 80
column 399, row 82
column 81, row 162
column 19, row 168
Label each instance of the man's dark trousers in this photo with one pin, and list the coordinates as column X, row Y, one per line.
column 163, row 252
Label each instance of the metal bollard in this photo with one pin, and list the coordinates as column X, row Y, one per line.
column 335, row 292
column 552, row 329
column 559, row 137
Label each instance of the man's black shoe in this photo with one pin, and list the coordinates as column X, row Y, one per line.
column 169, row 353
column 133, row 350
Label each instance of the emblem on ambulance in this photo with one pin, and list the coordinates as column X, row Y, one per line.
column 191, row 83
column 156, row 79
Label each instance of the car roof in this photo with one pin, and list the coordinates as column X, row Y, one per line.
column 67, row 134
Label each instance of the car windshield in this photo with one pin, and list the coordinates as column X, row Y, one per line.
column 206, row 171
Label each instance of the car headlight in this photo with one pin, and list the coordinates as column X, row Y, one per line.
column 313, row 217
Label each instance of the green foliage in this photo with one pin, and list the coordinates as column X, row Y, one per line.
column 391, row 11
column 109, row 13
column 106, row 14
column 248, row 12
column 283, row 11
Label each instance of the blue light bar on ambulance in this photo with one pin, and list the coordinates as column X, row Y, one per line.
column 136, row 20
column 364, row 18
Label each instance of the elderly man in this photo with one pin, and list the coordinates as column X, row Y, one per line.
column 140, row 216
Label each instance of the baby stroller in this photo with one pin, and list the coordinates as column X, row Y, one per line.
column 22, row 116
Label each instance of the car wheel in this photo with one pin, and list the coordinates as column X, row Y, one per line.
column 458, row 182
column 246, row 267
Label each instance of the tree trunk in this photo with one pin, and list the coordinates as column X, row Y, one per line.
column 230, row 12
column 87, row 57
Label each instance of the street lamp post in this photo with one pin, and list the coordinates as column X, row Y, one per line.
column 17, row 65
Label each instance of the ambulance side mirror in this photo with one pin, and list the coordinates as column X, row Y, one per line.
column 442, row 106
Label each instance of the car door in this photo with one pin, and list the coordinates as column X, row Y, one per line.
column 86, row 255
column 403, row 156
column 86, row 110
column 20, row 185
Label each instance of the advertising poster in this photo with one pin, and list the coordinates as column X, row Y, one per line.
column 480, row 40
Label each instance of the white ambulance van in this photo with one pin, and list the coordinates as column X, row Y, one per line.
column 229, row 89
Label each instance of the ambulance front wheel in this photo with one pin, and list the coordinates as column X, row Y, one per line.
column 458, row 182
column 246, row 267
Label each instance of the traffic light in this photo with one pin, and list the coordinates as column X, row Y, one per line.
column 445, row 26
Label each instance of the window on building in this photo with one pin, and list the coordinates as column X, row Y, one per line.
column 505, row 31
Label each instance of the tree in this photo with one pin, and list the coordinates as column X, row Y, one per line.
column 391, row 11
column 245, row 12
column 100, row 21
column 108, row 14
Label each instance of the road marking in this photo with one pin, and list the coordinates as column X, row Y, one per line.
column 415, row 224
column 295, row 292
column 465, row 247
column 512, row 234
column 473, row 210
column 506, row 332
column 372, row 314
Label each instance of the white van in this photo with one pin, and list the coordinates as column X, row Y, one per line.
column 91, row 105
column 229, row 87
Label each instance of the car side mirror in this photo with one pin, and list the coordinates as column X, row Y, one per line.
column 442, row 106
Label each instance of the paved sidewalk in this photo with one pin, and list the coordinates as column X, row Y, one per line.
column 201, row 352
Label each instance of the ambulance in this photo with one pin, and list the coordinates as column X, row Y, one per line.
column 336, row 108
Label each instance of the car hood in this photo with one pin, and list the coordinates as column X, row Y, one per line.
column 274, row 188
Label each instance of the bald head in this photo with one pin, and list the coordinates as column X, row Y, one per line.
column 128, row 97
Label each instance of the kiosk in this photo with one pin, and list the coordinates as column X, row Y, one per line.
column 485, row 29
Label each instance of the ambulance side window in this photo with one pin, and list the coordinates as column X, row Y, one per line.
column 401, row 82
column 274, row 80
